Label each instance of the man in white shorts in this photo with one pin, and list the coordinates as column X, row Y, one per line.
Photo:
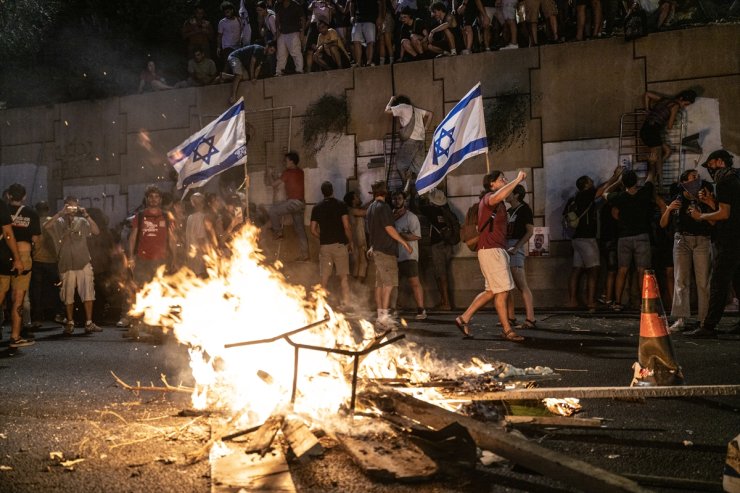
column 492, row 256
column 70, row 227
column 367, row 16
column 505, row 13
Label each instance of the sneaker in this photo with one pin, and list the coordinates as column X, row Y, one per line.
column 69, row 328
column 421, row 315
column 510, row 46
column 21, row 342
column 60, row 319
column 123, row 323
column 702, row 333
column 465, row 52
column 386, row 323
column 677, row 326
column 453, row 52
column 90, row 327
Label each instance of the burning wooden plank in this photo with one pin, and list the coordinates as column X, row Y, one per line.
column 234, row 470
column 580, row 474
column 300, row 439
column 387, row 459
column 261, row 440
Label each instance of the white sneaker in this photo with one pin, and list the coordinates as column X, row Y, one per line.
column 677, row 326
column 510, row 46
column 422, row 315
column 90, row 327
column 465, row 52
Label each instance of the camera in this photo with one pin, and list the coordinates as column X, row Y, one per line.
column 72, row 209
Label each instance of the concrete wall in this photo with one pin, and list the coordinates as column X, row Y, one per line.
column 107, row 151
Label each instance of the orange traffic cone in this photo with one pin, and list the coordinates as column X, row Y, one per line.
column 656, row 362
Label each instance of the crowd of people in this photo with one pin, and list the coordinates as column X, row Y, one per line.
column 71, row 269
column 266, row 38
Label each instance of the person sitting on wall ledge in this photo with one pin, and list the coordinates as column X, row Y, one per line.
column 150, row 80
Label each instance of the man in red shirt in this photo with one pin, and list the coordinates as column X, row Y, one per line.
column 294, row 204
column 151, row 241
column 492, row 255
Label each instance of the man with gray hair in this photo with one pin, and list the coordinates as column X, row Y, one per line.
column 71, row 227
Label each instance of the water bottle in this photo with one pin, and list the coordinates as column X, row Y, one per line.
column 676, row 212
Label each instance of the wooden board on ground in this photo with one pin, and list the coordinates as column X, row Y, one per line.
column 605, row 392
column 553, row 464
column 239, row 471
column 389, row 458
column 300, row 439
column 557, row 421
column 260, row 440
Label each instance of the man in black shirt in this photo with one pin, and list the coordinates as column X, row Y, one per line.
column 635, row 205
column 27, row 230
column 384, row 239
column 246, row 63
column 726, row 216
column 330, row 224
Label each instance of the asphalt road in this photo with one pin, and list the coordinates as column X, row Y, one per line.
column 59, row 396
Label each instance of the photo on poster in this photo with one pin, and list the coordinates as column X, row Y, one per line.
column 539, row 243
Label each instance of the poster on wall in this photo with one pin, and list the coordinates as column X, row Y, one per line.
column 539, row 243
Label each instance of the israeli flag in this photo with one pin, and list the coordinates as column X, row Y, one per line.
column 461, row 135
column 217, row 147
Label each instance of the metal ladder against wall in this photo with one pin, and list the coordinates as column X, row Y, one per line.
column 633, row 154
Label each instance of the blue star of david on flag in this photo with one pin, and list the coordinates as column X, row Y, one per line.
column 220, row 145
column 460, row 135
column 210, row 150
column 444, row 142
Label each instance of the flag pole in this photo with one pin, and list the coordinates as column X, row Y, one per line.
column 488, row 163
column 246, row 190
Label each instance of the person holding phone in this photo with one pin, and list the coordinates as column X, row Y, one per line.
column 70, row 228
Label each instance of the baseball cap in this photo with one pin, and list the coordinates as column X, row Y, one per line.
column 719, row 154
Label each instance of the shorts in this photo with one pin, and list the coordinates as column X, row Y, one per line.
column 410, row 156
column 532, row 9
column 441, row 255
column 386, row 270
column 236, row 65
column 82, row 280
column 363, row 32
column 651, row 135
column 408, row 268
column 585, row 253
column 517, row 259
column 145, row 269
column 637, row 247
column 494, row 264
column 506, row 11
column 22, row 281
column 333, row 257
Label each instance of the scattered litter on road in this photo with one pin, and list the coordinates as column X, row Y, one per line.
column 6, row 468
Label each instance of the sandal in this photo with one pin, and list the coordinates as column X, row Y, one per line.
column 512, row 321
column 529, row 324
column 512, row 336
column 462, row 326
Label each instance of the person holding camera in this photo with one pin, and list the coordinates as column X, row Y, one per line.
column 70, row 228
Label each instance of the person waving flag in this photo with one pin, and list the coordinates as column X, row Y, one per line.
column 461, row 135
column 221, row 145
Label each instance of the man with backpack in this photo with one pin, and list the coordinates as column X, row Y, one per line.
column 151, row 241
column 492, row 255
column 586, row 257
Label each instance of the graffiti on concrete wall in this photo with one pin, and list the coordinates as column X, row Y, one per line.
column 77, row 158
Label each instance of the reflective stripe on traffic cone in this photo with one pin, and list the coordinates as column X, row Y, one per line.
column 655, row 354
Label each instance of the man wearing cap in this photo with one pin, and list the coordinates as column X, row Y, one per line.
column 726, row 217
column 383, row 237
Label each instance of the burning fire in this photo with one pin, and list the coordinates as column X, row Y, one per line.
column 246, row 299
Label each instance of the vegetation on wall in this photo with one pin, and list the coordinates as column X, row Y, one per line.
column 506, row 118
column 328, row 114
